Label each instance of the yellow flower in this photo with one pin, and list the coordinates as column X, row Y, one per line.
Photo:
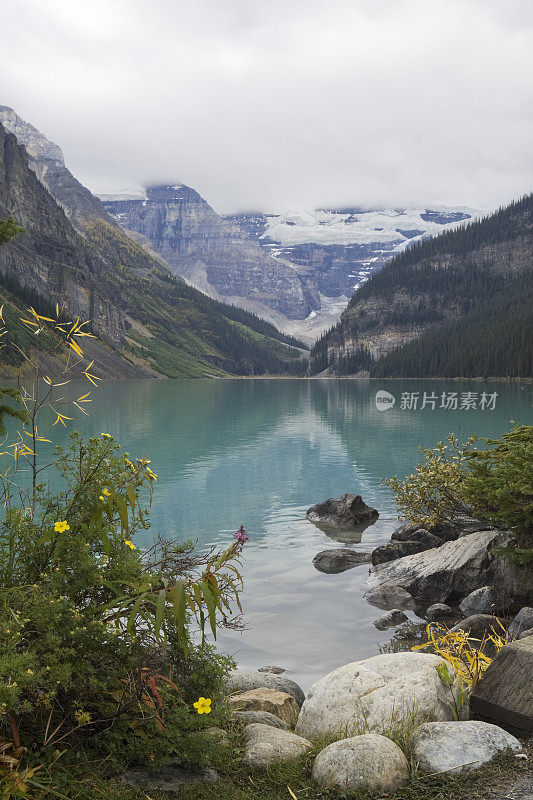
column 61, row 527
column 151, row 474
column 106, row 492
column 203, row 706
column 102, row 498
column 106, row 435
column 130, row 544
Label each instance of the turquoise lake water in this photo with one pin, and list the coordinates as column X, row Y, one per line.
column 259, row 453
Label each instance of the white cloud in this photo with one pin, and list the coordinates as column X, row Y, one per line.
column 274, row 104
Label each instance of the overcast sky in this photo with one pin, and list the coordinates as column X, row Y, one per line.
column 281, row 104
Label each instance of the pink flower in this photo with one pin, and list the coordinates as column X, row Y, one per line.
column 241, row 536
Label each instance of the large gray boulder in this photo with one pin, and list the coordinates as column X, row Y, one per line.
column 244, row 681
column 522, row 622
column 264, row 745
column 387, row 596
column 442, row 747
column 339, row 560
column 443, row 574
column 486, row 600
column 350, row 511
column 369, row 762
column 504, row 695
column 375, row 695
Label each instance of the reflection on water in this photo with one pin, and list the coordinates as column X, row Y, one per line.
column 259, row 453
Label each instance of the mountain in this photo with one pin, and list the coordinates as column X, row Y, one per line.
column 214, row 253
column 296, row 269
column 342, row 247
column 456, row 305
column 147, row 321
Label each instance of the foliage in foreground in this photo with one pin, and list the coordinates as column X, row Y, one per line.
column 98, row 658
column 494, row 484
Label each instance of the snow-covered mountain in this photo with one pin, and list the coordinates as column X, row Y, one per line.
column 343, row 246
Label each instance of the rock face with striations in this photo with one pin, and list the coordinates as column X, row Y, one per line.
column 213, row 253
column 443, row 574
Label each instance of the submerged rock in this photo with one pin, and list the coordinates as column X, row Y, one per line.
column 369, row 762
column 264, row 745
column 339, row 560
column 376, row 694
column 347, row 511
column 388, row 596
column 391, row 619
column 443, row 747
column 243, row 681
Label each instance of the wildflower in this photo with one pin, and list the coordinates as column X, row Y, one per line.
column 102, row 498
column 130, row 544
column 106, row 492
column 61, row 527
column 203, row 706
column 151, row 474
column 30, row 672
column 241, row 536
column 106, row 435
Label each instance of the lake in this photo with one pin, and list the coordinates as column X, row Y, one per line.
column 259, row 453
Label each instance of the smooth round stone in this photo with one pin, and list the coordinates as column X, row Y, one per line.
column 369, row 762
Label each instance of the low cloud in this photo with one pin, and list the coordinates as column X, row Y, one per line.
column 282, row 104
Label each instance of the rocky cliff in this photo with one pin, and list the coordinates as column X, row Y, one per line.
column 214, row 253
column 49, row 257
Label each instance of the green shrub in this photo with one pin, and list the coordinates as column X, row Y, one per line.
column 493, row 484
column 499, row 482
